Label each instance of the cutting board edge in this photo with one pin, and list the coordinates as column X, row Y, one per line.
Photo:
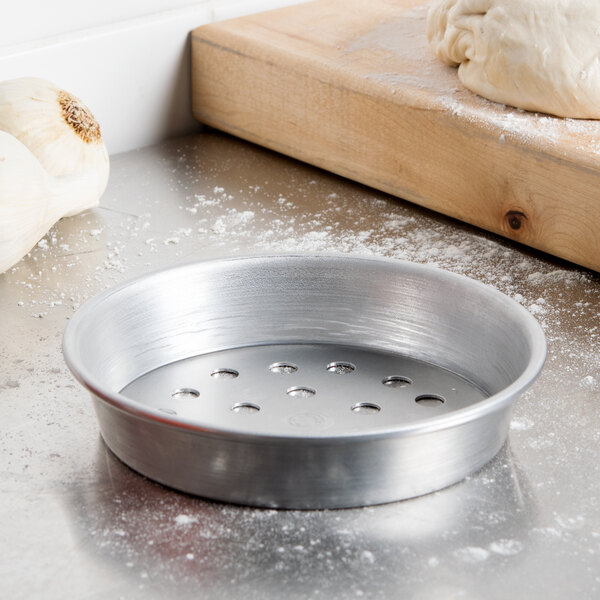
column 512, row 215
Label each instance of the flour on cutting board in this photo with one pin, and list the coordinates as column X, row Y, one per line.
column 404, row 41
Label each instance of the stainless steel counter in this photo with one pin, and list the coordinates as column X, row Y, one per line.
column 77, row 523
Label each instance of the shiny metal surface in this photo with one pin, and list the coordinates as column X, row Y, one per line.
column 77, row 523
column 266, row 305
column 318, row 386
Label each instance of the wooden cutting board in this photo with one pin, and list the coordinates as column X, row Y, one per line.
column 352, row 87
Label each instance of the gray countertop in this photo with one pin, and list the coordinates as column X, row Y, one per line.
column 77, row 523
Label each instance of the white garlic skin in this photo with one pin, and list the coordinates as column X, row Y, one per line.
column 31, row 200
column 57, row 128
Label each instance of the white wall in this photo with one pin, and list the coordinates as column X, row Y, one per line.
column 128, row 60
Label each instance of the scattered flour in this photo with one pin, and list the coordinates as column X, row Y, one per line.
column 590, row 382
column 367, row 557
column 185, row 519
column 570, row 523
column 506, row 547
column 472, row 554
column 536, row 309
column 522, row 424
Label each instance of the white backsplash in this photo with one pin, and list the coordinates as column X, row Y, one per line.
column 128, row 61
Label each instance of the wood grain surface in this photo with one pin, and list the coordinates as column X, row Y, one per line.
column 352, row 87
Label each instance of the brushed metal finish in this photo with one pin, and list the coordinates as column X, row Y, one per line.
column 375, row 305
column 313, row 399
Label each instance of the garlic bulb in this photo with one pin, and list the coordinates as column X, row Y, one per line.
column 31, row 200
column 53, row 162
column 58, row 129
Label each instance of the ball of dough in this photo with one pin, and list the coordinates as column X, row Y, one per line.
column 539, row 55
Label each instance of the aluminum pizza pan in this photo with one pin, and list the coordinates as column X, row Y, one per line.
column 304, row 381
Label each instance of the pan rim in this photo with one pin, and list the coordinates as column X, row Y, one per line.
column 494, row 403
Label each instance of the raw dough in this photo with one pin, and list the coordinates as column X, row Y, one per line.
column 540, row 55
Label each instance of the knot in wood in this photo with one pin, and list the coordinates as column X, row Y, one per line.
column 515, row 219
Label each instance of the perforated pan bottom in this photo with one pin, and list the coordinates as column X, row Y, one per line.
column 303, row 389
column 304, row 381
